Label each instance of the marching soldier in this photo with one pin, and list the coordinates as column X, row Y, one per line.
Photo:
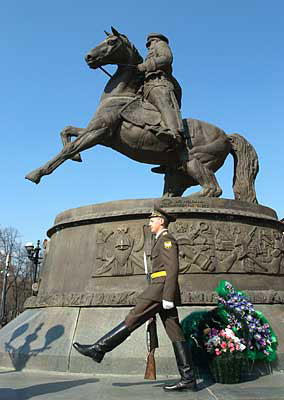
column 161, row 297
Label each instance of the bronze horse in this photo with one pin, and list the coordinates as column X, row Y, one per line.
column 206, row 146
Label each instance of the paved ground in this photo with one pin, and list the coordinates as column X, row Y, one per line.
column 54, row 386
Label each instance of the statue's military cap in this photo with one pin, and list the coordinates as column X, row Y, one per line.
column 158, row 212
column 154, row 36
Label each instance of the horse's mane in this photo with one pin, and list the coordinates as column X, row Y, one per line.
column 133, row 48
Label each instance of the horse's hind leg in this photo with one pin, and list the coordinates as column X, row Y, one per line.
column 205, row 178
column 81, row 143
column 67, row 133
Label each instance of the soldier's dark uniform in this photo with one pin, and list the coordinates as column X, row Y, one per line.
column 164, row 286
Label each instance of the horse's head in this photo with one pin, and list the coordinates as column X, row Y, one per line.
column 115, row 49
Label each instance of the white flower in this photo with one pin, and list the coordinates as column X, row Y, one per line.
column 242, row 347
column 214, row 341
column 236, row 340
column 229, row 333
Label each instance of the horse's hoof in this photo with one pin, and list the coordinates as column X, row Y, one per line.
column 77, row 158
column 208, row 192
column 195, row 194
column 33, row 177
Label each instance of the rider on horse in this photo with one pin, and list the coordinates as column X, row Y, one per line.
column 192, row 163
column 161, row 89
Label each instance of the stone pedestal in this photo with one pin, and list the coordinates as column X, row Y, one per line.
column 94, row 271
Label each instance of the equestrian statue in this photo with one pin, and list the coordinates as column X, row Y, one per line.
column 139, row 116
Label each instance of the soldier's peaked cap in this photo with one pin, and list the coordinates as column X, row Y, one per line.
column 158, row 212
column 158, row 36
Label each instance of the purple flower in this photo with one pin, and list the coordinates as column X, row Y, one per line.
column 243, row 318
column 214, row 332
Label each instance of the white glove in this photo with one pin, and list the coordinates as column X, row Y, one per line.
column 167, row 305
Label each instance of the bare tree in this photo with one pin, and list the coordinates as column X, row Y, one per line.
column 19, row 279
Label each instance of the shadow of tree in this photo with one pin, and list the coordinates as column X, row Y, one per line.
column 18, row 332
column 20, row 356
column 41, row 389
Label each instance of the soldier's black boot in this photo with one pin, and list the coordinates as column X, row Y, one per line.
column 105, row 344
column 184, row 363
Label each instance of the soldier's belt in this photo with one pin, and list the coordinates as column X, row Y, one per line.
column 158, row 274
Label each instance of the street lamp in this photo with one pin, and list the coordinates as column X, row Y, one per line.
column 3, row 316
column 33, row 255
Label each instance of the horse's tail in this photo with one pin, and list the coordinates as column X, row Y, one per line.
column 245, row 168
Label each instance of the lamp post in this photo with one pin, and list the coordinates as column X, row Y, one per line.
column 3, row 317
column 34, row 257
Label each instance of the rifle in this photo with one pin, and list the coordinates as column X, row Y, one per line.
column 152, row 344
column 151, row 329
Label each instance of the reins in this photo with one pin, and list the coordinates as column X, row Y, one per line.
column 120, row 65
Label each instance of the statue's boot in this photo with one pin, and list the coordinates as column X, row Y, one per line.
column 105, row 344
column 173, row 140
column 162, row 169
column 184, row 364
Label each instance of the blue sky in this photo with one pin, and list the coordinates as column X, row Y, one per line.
column 228, row 58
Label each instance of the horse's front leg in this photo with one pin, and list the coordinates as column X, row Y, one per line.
column 67, row 133
column 83, row 142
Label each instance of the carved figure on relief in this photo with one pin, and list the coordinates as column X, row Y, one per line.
column 226, row 244
column 116, row 251
column 272, row 250
column 238, row 242
column 265, row 252
column 253, row 251
column 196, row 248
